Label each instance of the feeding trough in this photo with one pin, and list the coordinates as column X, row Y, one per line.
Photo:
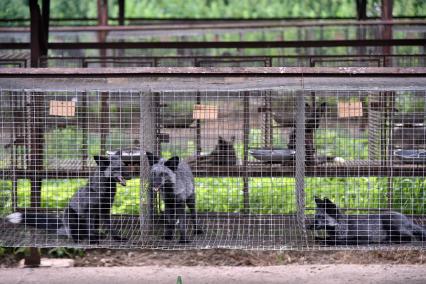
column 183, row 120
column 273, row 155
column 411, row 156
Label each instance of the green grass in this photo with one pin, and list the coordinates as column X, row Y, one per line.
column 267, row 195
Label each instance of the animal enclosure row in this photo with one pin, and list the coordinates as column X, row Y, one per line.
column 260, row 155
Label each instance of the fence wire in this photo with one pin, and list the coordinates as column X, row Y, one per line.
column 258, row 169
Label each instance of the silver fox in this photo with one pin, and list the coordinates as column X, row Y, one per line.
column 343, row 229
column 174, row 180
column 88, row 209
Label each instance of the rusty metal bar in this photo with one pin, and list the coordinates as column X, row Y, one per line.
column 121, row 12
column 218, row 44
column 179, row 25
column 152, row 20
column 35, row 36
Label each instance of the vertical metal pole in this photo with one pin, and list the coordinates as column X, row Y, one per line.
column 85, row 128
column 35, row 31
column 198, row 128
column 361, row 7
column 387, row 6
column 121, row 12
column 246, row 135
column 300, row 163
column 35, row 135
column 103, row 21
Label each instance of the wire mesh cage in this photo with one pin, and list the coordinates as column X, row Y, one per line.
column 231, row 162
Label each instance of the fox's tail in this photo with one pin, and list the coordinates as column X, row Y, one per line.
column 419, row 232
column 43, row 221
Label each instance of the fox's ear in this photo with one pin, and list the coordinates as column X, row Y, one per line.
column 221, row 140
column 331, row 208
column 102, row 161
column 172, row 163
column 232, row 139
column 328, row 201
column 152, row 159
column 319, row 202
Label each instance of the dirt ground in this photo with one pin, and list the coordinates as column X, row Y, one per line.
column 307, row 274
column 224, row 257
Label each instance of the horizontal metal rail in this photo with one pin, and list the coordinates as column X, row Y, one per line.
column 188, row 25
column 223, row 44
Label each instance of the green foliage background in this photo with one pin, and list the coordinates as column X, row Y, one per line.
column 216, row 8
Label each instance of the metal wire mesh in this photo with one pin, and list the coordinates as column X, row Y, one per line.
column 258, row 158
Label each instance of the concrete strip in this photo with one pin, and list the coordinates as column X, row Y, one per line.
column 307, row 274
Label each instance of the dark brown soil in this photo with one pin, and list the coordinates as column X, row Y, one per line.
column 222, row 257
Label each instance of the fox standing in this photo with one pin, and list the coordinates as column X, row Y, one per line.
column 88, row 209
column 174, row 180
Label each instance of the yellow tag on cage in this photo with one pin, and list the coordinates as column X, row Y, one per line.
column 62, row 108
column 350, row 109
column 204, row 112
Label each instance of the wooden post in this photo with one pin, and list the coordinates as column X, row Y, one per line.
column 104, row 116
column 45, row 16
column 121, row 12
column 198, row 129
column 35, row 31
column 361, row 8
column 246, row 136
column 34, row 105
column 387, row 6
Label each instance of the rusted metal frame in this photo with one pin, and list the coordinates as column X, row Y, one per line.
column 246, row 137
column 34, row 107
column 225, row 25
column 45, row 15
column 224, row 44
column 361, row 6
column 199, row 61
column 360, row 59
column 121, row 12
column 386, row 8
column 36, row 33
column 198, row 72
column 12, row 63
column 150, row 21
column 117, row 60
column 269, row 58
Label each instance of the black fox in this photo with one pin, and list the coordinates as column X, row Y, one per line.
column 343, row 229
column 222, row 155
column 88, row 209
column 174, row 180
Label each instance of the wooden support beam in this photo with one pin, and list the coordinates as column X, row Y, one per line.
column 38, row 47
column 387, row 6
column 121, row 12
column 361, row 9
column 35, row 29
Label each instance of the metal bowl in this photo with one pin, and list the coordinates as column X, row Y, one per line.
column 411, row 156
column 273, row 155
